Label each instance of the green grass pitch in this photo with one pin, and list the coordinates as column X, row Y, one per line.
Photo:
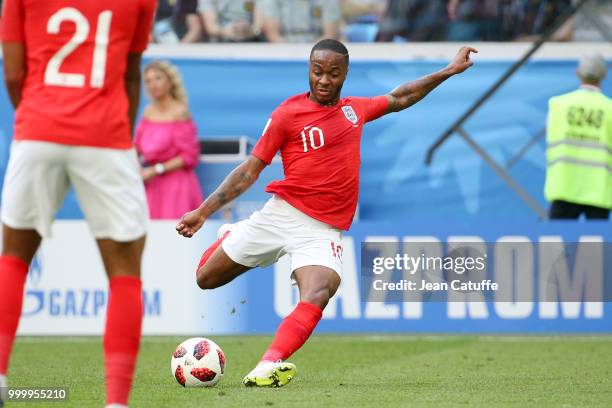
column 345, row 371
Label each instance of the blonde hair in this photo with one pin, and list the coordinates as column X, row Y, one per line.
column 177, row 90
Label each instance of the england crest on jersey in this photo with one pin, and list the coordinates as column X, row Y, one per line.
column 350, row 114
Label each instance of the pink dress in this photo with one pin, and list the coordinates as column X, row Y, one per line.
column 171, row 194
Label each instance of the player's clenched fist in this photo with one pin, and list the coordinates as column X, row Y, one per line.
column 462, row 60
column 190, row 223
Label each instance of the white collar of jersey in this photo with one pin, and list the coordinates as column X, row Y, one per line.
column 591, row 88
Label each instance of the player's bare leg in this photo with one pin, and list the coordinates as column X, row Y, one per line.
column 20, row 243
column 317, row 285
column 18, row 249
column 121, row 258
column 122, row 262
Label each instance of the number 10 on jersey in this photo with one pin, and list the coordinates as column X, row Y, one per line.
column 53, row 76
column 313, row 133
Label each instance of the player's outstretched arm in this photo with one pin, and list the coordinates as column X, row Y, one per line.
column 411, row 92
column 236, row 183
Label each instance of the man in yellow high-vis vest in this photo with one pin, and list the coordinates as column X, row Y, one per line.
column 579, row 148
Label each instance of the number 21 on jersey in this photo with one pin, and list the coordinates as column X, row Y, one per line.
column 53, row 76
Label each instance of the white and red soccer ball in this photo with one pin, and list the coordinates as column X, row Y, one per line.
column 198, row 362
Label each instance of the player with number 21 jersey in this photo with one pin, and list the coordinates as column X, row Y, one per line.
column 72, row 72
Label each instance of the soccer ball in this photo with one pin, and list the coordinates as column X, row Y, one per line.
column 198, row 362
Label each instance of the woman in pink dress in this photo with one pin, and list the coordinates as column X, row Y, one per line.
column 166, row 140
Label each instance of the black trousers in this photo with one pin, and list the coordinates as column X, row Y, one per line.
column 563, row 210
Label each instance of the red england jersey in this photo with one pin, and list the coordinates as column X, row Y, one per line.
column 320, row 150
column 76, row 51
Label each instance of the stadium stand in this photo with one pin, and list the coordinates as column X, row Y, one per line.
column 377, row 20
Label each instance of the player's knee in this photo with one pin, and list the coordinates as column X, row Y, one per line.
column 319, row 297
column 205, row 280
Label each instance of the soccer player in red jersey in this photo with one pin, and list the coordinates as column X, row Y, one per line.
column 318, row 134
column 72, row 71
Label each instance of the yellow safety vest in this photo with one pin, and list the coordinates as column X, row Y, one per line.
column 579, row 148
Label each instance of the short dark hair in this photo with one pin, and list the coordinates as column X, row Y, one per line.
column 332, row 45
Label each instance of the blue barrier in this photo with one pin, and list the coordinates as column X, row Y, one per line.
column 66, row 290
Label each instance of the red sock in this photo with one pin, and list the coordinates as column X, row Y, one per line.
column 122, row 336
column 13, row 272
column 210, row 250
column 293, row 332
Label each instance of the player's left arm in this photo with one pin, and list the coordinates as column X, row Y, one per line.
column 410, row 93
column 236, row 183
column 14, row 57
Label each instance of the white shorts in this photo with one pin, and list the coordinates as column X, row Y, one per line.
column 107, row 183
column 279, row 229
